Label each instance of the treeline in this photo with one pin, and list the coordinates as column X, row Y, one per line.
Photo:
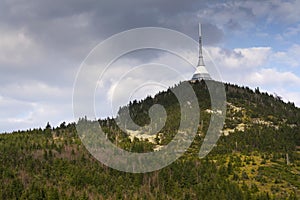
column 260, row 162
column 36, row 166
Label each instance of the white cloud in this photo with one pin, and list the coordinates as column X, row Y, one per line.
column 243, row 16
column 17, row 48
column 32, row 104
column 240, row 58
column 285, row 11
column 292, row 31
column 272, row 77
column 35, row 91
column 230, row 14
column 18, row 115
column 289, row 58
column 129, row 78
column 37, row 116
column 289, row 96
column 275, row 11
column 11, row 107
column 256, row 67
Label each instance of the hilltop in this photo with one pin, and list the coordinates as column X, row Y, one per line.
column 256, row 157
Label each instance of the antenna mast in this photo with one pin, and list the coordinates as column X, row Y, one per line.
column 201, row 73
column 200, row 61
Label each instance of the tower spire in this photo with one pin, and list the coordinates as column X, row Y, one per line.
column 200, row 60
column 201, row 73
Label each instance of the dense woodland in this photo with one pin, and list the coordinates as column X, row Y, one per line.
column 257, row 157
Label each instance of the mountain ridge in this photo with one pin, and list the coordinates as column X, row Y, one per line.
column 257, row 158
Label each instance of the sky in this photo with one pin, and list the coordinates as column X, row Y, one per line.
column 43, row 44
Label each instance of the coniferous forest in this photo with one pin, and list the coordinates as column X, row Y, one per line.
column 256, row 157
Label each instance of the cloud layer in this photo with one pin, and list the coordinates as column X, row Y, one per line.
column 42, row 44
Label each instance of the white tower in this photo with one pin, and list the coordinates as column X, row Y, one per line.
column 201, row 73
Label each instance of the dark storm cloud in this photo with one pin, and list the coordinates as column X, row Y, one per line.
column 46, row 41
column 42, row 43
column 65, row 25
column 65, row 31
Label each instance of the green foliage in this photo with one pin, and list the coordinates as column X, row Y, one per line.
column 52, row 163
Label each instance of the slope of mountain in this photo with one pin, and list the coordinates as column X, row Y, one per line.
column 257, row 156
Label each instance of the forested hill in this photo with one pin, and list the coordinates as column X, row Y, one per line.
column 257, row 156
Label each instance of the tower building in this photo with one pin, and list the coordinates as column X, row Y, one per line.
column 201, row 73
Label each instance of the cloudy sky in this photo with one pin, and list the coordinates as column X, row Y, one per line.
column 43, row 43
